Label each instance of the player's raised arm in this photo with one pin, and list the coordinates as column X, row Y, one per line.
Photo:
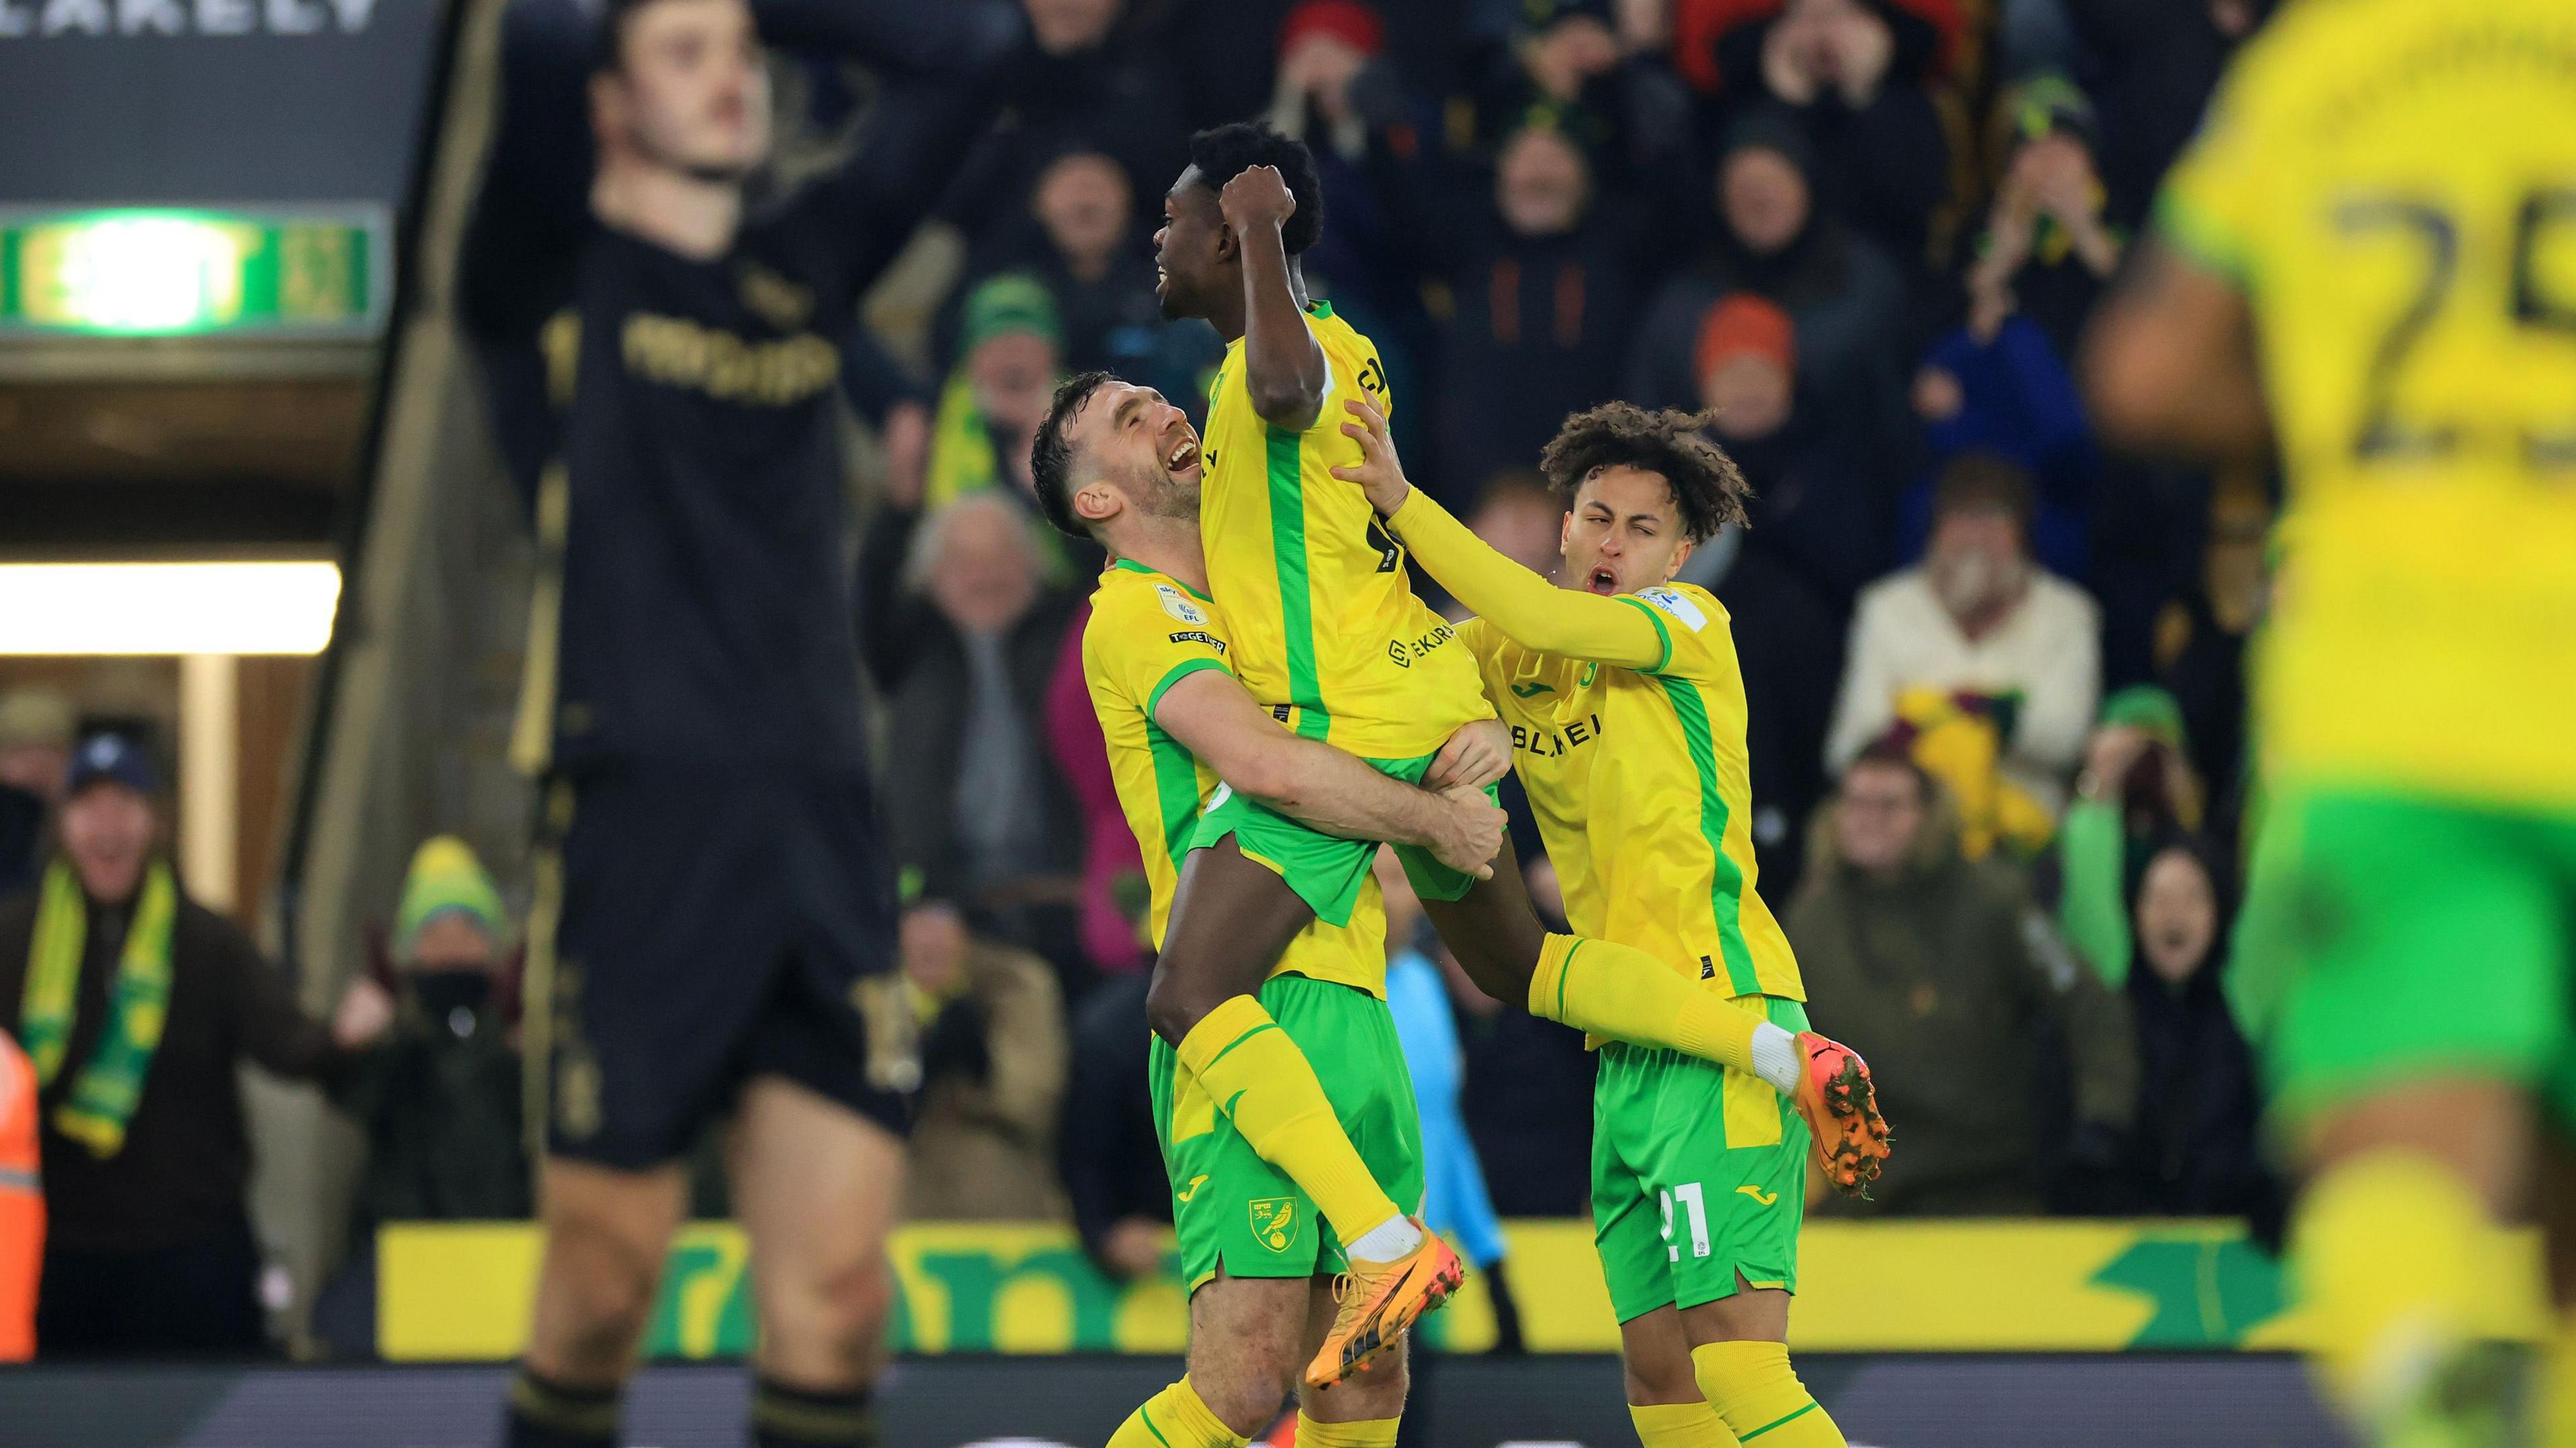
column 1283, row 366
column 1530, row 610
column 1215, row 719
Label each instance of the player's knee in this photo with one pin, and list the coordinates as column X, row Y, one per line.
column 600, row 1302
column 832, row 1321
column 1660, row 1380
column 1245, row 1396
column 602, row 1268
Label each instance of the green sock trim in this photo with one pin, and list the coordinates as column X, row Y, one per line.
column 1812, row 1405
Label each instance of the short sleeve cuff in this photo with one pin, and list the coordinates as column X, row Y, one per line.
column 2202, row 239
column 1179, row 671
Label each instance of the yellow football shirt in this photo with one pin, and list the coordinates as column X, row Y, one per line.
column 2392, row 183
column 1328, row 632
column 1642, row 788
column 1147, row 632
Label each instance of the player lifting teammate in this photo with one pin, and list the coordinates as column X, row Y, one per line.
column 1339, row 649
column 2376, row 233
column 1627, row 704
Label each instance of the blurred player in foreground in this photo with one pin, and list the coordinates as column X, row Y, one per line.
column 1627, row 707
column 2375, row 234
column 713, row 934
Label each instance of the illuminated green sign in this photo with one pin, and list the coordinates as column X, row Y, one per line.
column 164, row 273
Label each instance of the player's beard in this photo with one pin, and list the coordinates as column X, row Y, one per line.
column 1172, row 499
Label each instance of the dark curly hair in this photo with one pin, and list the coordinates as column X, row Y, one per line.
column 1707, row 485
column 1228, row 151
column 1051, row 457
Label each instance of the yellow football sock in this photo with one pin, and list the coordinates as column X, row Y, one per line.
column 1755, row 1390
column 1627, row 995
column 1680, row 1425
column 1176, row 1417
column 2395, row 1257
column 2558, row 1386
column 1266, row 1087
column 1366, row 1433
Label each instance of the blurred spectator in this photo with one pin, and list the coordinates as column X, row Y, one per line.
column 138, row 1006
column 2201, row 636
column 36, row 731
column 1854, row 77
column 1338, row 91
column 886, row 395
column 2195, row 1151
column 2152, row 65
column 962, row 633
column 1845, row 296
column 1094, row 80
column 1817, row 505
column 1114, row 893
column 2009, row 394
column 2137, row 788
column 993, row 1075
column 1978, row 619
column 22, row 1204
column 1999, row 382
column 438, row 1091
column 1583, row 68
column 1325, row 46
column 2048, row 249
column 1522, row 518
column 1944, row 974
column 1107, row 1150
column 1010, row 356
column 1544, row 275
column 1789, row 645
column 1082, row 242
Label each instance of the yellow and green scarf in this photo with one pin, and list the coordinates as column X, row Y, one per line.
column 103, row 1096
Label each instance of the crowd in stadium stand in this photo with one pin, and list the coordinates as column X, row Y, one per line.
column 1994, row 668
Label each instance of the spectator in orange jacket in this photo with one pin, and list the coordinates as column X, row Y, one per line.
column 22, row 1205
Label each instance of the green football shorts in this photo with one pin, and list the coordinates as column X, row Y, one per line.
column 2388, row 938
column 1235, row 1210
column 1699, row 1174
column 1323, row 869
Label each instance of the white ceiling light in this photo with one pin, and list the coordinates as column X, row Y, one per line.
column 167, row 608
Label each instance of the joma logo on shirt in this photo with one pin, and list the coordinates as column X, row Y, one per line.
column 1549, row 743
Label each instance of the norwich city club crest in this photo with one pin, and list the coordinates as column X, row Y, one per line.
column 1274, row 1222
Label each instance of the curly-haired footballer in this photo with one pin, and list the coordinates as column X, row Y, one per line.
column 1626, row 708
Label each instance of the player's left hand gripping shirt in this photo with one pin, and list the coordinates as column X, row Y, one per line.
column 1148, row 631
column 1326, row 623
column 1643, row 792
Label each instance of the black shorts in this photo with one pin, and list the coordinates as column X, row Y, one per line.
column 693, row 930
